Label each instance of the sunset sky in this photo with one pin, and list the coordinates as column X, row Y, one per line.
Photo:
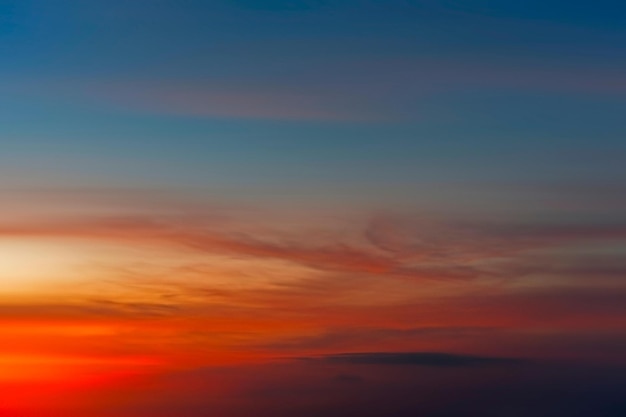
column 307, row 208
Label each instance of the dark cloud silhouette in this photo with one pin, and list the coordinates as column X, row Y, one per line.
column 342, row 338
column 348, row 378
column 311, row 388
column 433, row 359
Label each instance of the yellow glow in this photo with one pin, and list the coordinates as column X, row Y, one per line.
column 29, row 264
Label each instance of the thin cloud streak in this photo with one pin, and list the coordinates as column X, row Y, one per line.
column 360, row 90
column 426, row 249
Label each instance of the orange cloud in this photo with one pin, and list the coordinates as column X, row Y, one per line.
column 195, row 291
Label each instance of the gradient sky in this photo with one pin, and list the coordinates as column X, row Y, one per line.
column 309, row 207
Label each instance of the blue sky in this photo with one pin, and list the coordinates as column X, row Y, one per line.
column 196, row 92
column 431, row 90
column 450, row 104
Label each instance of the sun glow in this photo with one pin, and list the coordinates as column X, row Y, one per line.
column 29, row 264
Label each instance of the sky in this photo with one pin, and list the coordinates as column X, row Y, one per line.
column 312, row 208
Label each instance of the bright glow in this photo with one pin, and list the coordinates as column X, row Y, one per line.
column 27, row 264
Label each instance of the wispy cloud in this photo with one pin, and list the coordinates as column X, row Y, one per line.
column 410, row 247
column 225, row 280
column 365, row 89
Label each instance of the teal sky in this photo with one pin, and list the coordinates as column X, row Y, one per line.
column 278, row 95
